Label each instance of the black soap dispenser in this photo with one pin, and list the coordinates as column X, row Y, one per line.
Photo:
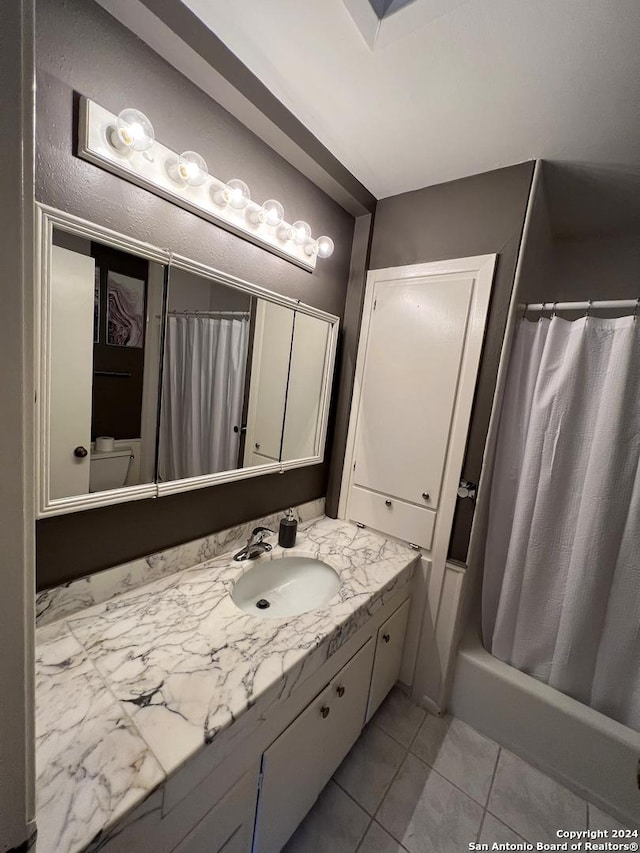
column 288, row 530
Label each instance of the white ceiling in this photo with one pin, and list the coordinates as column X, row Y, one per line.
column 484, row 84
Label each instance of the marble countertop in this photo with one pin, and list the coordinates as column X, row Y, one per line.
column 129, row 690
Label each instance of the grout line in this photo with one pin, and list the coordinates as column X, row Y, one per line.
column 359, row 844
column 493, row 777
column 481, row 827
column 504, row 823
column 372, row 721
column 351, row 797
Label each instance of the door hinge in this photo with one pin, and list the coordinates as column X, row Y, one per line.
column 354, row 465
column 375, row 302
column 260, row 778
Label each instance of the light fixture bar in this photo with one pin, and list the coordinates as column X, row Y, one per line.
column 152, row 169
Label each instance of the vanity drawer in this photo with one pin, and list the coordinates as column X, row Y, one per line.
column 386, row 667
column 298, row 765
column 395, row 517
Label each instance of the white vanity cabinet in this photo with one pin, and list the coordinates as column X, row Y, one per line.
column 386, row 666
column 297, row 766
column 228, row 827
column 254, row 798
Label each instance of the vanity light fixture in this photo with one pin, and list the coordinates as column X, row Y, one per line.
column 133, row 131
column 270, row 213
column 322, row 247
column 235, row 193
column 121, row 144
column 191, row 169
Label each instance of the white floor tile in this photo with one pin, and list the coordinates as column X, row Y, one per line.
column 399, row 717
column 459, row 753
column 334, row 825
column 378, row 841
column 601, row 820
column 493, row 830
column 426, row 813
column 368, row 770
column 532, row 804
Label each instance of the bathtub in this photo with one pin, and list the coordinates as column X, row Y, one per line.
column 594, row 756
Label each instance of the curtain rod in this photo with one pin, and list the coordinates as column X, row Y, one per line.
column 198, row 313
column 579, row 306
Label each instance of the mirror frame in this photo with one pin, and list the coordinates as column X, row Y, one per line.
column 48, row 218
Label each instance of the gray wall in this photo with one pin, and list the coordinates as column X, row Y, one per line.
column 82, row 49
column 190, row 292
column 16, row 436
column 472, row 216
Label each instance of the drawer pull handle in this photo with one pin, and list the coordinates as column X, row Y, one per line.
column 386, row 637
column 340, row 691
column 426, row 496
column 387, row 503
column 325, row 711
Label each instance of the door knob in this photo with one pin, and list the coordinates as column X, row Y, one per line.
column 80, row 452
column 426, row 496
column 387, row 503
column 257, row 446
column 325, row 711
column 340, row 691
column 386, row 637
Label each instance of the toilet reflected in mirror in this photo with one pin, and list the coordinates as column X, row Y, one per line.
column 105, row 339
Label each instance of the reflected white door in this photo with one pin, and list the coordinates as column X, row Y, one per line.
column 268, row 389
column 304, row 394
column 413, row 360
column 71, row 364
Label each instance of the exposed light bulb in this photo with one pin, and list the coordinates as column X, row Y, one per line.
column 133, row 131
column 235, row 193
column 322, row 247
column 325, row 247
column 192, row 169
column 299, row 232
column 271, row 213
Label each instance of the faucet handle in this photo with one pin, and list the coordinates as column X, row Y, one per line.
column 260, row 533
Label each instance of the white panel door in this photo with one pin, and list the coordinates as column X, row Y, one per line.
column 269, row 375
column 414, row 353
column 304, row 394
column 71, row 299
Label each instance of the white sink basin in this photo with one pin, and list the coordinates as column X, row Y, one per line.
column 285, row 587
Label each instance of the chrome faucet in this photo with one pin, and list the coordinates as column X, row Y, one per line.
column 255, row 545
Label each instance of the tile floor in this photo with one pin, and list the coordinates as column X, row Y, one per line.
column 418, row 783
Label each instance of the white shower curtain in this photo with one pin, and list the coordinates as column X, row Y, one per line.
column 561, row 590
column 202, row 393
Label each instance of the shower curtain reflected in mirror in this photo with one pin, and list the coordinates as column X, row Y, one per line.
column 561, row 589
column 202, row 395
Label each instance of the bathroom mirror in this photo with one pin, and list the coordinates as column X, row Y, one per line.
column 158, row 377
column 245, row 380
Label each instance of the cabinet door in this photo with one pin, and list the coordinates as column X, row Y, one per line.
column 269, row 375
column 386, row 667
column 228, row 827
column 304, row 393
column 298, row 765
column 414, row 353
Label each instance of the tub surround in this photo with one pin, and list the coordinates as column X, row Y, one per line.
column 68, row 598
column 132, row 688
